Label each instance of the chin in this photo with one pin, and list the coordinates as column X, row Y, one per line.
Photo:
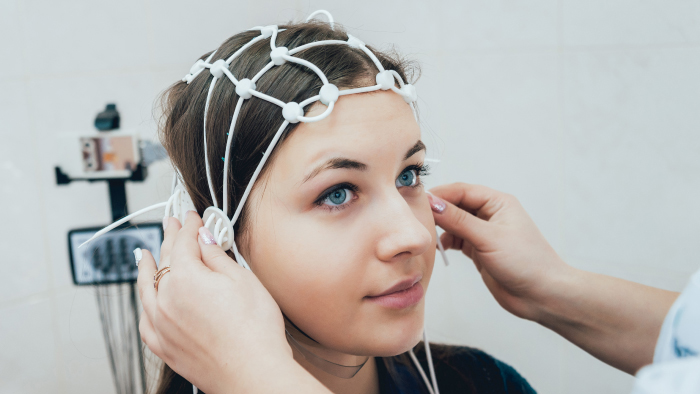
column 397, row 339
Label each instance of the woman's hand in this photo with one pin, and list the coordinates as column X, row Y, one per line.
column 212, row 321
column 516, row 262
column 615, row 320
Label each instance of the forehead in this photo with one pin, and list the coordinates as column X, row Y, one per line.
column 363, row 126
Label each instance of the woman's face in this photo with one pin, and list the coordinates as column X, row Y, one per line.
column 341, row 219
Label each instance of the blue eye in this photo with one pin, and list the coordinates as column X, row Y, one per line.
column 338, row 197
column 407, row 178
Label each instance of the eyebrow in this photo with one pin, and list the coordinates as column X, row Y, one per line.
column 342, row 162
column 419, row 146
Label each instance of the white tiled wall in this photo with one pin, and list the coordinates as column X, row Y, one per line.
column 586, row 110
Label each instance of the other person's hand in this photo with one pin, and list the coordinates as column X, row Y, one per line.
column 613, row 319
column 514, row 259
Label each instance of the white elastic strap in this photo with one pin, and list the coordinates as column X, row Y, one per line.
column 429, row 355
column 262, row 72
column 421, row 372
column 228, row 151
column 432, row 388
column 174, row 185
column 243, row 48
column 372, row 56
column 365, row 89
column 324, row 12
column 318, row 117
column 308, row 64
column 442, row 251
column 124, row 220
column 267, row 98
column 273, row 39
column 172, row 203
column 248, row 188
column 315, row 44
column 206, row 155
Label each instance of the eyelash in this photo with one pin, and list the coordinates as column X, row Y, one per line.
column 420, row 169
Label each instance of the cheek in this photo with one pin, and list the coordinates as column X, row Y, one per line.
column 319, row 271
column 313, row 272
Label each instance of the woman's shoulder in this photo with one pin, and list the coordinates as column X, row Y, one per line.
column 463, row 369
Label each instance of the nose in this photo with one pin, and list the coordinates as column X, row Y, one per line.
column 400, row 234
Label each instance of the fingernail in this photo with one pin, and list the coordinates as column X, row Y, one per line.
column 165, row 223
column 187, row 214
column 138, row 255
column 436, row 203
column 206, row 236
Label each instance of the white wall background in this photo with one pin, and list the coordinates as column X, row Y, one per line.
column 586, row 110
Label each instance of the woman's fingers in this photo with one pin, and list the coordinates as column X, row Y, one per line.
column 186, row 247
column 147, row 269
column 149, row 336
column 212, row 255
column 171, row 226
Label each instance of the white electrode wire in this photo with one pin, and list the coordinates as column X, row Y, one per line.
column 248, row 188
column 267, row 98
column 415, row 112
column 316, row 118
column 228, row 151
column 174, row 184
column 420, row 371
column 205, row 61
column 439, row 243
column 309, row 101
column 398, row 78
column 273, row 39
column 243, row 48
column 206, row 155
column 397, row 90
column 365, row 89
column 239, row 258
column 308, row 64
column 315, row 44
column 442, row 251
column 230, row 76
column 324, row 12
column 429, row 356
column 172, row 203
column 260, row 73
column 124, row 220
column 371, row 55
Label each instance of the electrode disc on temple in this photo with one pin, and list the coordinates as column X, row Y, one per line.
column 220, row 226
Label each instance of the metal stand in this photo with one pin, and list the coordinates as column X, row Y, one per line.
column 117, row 200
column 118, row 336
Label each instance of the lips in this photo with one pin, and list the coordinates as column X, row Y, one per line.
column 402, row 295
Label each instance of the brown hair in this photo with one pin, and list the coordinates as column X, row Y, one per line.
column 183, row 115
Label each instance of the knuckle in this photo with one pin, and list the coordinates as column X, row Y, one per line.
column 510, row 198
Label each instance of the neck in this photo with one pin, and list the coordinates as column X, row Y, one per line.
column 366, row 381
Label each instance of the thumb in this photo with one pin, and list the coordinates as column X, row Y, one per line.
column 460, row 223
column 213, row 256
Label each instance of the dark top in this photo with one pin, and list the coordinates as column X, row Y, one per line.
column 458, row 369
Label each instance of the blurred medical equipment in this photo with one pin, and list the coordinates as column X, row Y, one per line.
column 114, row 156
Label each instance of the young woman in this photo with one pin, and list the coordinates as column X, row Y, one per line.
column 338, row 227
